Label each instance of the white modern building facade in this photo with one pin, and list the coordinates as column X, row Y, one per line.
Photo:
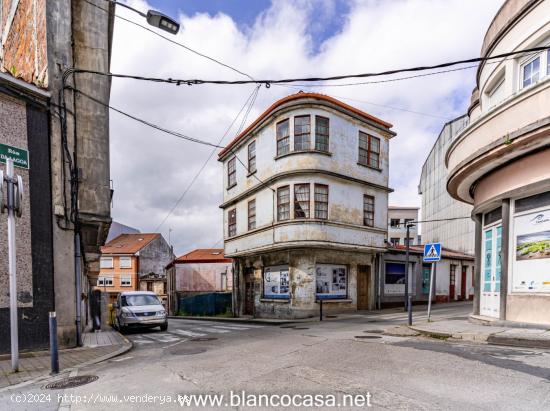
column 452, row 231
column 398, row 218
column 305, row 207
column 500, row 164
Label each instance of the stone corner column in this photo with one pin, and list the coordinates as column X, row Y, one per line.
column 504, row 252
column 477, row 266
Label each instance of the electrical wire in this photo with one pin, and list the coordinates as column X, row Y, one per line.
column 269, row 82
column 198, row 53
column 147, row 123
column 249, row 102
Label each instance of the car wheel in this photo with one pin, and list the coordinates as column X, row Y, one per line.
column 164, row 327
column 119, row 327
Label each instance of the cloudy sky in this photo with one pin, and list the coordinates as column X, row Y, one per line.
column 274, row 39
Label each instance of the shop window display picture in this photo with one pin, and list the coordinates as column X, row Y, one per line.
column 531, row 270
column 276, row 282
column 331, row 281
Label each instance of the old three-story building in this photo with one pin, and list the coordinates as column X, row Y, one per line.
column 500, row 163
column 305, row 213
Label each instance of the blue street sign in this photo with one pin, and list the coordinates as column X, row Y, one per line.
column 432, row 252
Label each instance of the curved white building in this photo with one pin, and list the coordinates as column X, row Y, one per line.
column 500, row 163
column 305, row 207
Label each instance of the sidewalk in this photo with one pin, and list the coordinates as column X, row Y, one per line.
column 469, row 331
column 33, row 365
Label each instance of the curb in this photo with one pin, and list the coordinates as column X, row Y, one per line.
column 242, row 320
column 434, row 334
column 487, row 321
column 518, row 342
column 125, row 347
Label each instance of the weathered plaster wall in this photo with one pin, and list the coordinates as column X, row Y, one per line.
column 154, row 257
column 203, row 277
column 302, row 296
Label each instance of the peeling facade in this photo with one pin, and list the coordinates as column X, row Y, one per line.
column 39, row 41
column 305, row 218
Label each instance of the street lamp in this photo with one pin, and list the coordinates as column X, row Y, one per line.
column 155, row 18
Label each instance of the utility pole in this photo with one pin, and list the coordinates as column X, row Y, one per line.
column 407, row 268
column 14, row 205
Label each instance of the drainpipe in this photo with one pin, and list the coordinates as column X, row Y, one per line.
column 379, row 281
column 78, row 286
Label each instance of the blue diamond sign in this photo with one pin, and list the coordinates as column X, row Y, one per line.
column 432, row 252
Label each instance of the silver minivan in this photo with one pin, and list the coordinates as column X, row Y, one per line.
column 139, row 309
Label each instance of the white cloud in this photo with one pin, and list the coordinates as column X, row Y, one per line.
column 150, row 169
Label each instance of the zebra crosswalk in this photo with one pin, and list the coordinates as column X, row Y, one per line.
column 178, row 331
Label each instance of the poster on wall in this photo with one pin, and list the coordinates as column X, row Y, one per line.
column 276, row 281
column 331, row 281
column 531, row 259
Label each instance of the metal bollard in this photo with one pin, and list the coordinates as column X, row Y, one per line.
column 54, row 354
column 320, row 310
column 409, row 303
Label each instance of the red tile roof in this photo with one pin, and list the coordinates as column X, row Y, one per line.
column 128, row 243
column 445, row 253
column 202, row 255
column 298, row 96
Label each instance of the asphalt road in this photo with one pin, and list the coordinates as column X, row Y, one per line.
column 315, row 358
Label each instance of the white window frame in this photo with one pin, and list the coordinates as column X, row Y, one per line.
column 498, row 86
column 129, row 259
column 525, row 63
column 106, row 262
column 127, row 278
column 101, row 281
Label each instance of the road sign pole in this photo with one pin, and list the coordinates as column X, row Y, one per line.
column 431, row 290
column 12, row 265
column 407, row 269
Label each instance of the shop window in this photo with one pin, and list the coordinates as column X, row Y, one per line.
column 394, row 241
column 492, row 216
column 283, row 137
column 394, row 278
column 276, row 282
column 302, row 133
column 331, row 281
column 283, row 203
column 321, row 133
column 301, row 201
column 529, row 203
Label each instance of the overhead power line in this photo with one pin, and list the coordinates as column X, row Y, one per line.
column 249, row 102
column 269, row 82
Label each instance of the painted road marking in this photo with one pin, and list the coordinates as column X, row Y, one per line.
column 188, row 333
column 213, row 330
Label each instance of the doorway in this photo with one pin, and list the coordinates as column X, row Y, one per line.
column 452, row 283
column 491, row 269
column 248, row 292
column 426, row 270
column 463, row 278
column 363, row 281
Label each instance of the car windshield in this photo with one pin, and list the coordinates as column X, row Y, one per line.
column 139, row 299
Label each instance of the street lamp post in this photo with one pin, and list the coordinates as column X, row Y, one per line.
column 155, row 18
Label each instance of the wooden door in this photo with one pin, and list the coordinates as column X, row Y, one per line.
column 363, row 281
column 463, row 295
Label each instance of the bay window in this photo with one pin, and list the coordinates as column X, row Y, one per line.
column 321, row 201
column 321, row 133
column 302, row 133
column 283, row 203
column 301, row 201
column 283, row 137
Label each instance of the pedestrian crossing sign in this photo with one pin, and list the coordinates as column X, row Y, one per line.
column 432, row 252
